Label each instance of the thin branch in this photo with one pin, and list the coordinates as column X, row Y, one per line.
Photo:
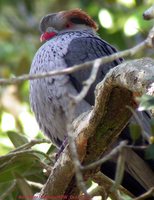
column 35, row 184
column 71, row 138
column 88, row 82
column 107, row 157
column 31, row 144
column 8, row 191
column 130, row 52
column 149, row 13
column 76, row 160
column 106, row 182
column 120, row 168
column 135, row 115
column 147, row 194
column 23, row 152
column 98, row 191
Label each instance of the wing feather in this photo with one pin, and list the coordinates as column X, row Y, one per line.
column 85, row 49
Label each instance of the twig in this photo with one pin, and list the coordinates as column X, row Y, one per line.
column 35, row 184
column 130, row 52
column 71, row 138
column 75, row 100
column 8, row 191
column 98, row 191
column 75, row 159
column 147, row 194
column 149, row 13
column 31, row 144
column 143, row 132
column 120, row 168
column 88, row 82
column 14, row 154
column 106, row 182
column 106, row 158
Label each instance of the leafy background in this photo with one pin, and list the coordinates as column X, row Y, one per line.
column 120, row 23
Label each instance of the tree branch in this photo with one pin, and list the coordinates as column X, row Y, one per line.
column 113, row 93
column 146, row 195
column 107, row 183
column 147, row 43
column 149, row 13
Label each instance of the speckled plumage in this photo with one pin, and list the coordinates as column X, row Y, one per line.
column 49, row 96
column 71, row 45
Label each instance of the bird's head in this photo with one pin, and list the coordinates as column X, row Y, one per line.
column 75, row 19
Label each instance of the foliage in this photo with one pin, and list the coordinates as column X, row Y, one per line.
column 146, row 102
column 19, row 40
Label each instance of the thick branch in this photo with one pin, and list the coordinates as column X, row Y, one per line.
column 98, row 129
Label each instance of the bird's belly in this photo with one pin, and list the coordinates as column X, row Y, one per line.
column 50, row 102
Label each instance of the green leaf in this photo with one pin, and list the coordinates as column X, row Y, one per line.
column 51, row 149
column 146, row 102
column 24, row 186
column 125, row 197
column 17, row 139
column 28, row 165
column 7, row 190
column 152, row 126
column 150, row 152
column 135, row 131
column 120, row 168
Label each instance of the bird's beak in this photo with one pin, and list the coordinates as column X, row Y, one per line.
column 42, row 38
column 47, row 36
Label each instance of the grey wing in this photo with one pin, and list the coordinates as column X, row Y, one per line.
column 86, row 49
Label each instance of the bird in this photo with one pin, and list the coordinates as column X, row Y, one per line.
column 70, row 38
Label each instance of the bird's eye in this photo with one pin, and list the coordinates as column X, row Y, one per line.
column 68, row 25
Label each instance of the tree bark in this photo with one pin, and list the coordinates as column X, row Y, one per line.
column 99, row 128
